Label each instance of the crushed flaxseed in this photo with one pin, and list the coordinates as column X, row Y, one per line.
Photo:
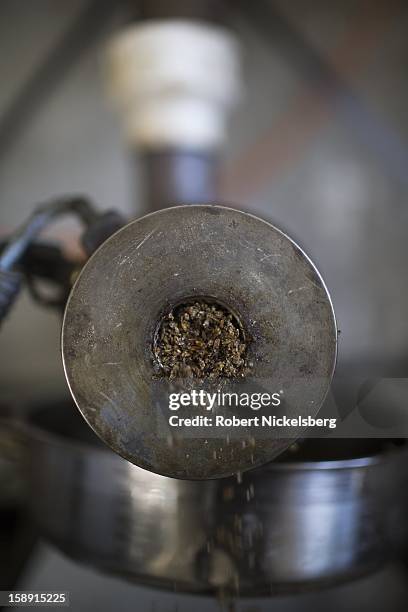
column 201, row 340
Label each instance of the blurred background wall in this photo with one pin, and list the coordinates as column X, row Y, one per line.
column 318, row 145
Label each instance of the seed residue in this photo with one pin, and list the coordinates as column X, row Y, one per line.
column 201, row 340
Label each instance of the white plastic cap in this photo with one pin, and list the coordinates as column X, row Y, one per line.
column 174, row 82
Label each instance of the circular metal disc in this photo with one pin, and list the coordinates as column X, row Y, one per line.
column 158, row 261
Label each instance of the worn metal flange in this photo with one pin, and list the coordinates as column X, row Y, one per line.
column 161, row 260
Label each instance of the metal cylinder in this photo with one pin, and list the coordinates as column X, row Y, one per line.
column 179, row 176
column 164, row 259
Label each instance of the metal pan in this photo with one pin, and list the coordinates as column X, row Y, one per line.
column 322, row 515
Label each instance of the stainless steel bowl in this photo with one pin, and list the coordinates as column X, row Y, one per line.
column 324, row 514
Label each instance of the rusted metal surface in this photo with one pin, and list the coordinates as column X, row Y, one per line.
column 158, row 261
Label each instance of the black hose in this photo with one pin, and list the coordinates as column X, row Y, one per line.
column 18, row 243
column 40, row 218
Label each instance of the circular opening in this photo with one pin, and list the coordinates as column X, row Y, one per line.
column 201, row 338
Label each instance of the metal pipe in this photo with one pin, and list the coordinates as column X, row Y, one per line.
column 179, row 176
column 175, row 82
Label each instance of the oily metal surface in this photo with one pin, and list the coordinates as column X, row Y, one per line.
column 158, row 261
